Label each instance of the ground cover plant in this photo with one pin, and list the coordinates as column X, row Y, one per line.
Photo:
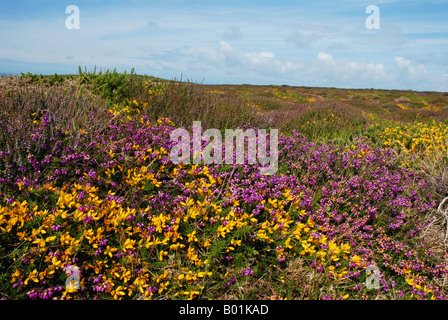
column 86, row 181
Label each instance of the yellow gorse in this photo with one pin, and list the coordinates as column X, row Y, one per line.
column 417, row 138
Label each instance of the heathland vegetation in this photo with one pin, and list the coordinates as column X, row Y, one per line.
column 86, row 181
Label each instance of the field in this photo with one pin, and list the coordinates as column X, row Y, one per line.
column 87, row 190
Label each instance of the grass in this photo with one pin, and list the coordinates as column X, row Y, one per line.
column 86, row 181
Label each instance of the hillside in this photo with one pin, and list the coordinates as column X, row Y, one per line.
column 87, row 186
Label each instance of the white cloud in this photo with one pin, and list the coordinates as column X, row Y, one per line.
column 328, row 69
column 405, row 66
column 322, row 56
column 258, row 58
column 402, row 63
column 323, row 70
column 226, row 47
column 267, row 55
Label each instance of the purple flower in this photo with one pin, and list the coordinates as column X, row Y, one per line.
column 248, row 272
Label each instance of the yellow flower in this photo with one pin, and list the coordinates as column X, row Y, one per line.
column 222, row 231
column 56, row 262
column 40, row 242
column 410, row 281
column 345, row 247
column 118, row 293
column 203, row 274
column 176, row 246
column 287, row 243
column 109, row 251
column 207, row 243
column 49, row 239
column 128, row 245
column 192, row 236
column 163, row 286
column 356, row 260
column 15, row 276
column 162, row 254
column 32, row 276
column 235, row 242
column 426, row 289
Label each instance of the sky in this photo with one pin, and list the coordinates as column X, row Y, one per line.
column 283, row 42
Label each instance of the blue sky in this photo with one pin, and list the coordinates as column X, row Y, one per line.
column 302, row 43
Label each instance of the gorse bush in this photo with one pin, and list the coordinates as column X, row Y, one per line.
column 422, row 146
column 111, row 85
